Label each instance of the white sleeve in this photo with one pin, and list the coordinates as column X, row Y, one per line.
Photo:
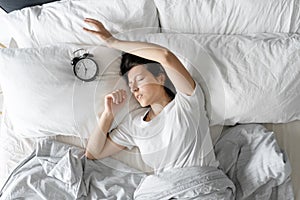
column 121, row 136
column 193, row 102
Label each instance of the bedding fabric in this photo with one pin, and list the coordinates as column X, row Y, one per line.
column 288, row 137
column 64, row 21
column 248, row 154
column 246, row 78
column 44, row 98
column 15, row 148
column 58, row 171
column 186, row 183
column 252, row 159
column 229, row 17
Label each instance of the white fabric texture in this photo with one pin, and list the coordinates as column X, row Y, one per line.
column 44, row 98
column 229, row 17
column 177, row 137
column 252, row 159
column 288, row 137
column 62, row 21
column 15, row 148
column 244, row 77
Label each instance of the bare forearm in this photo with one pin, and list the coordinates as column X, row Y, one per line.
column 177, row 73
column 145, row 50
column 98, row 137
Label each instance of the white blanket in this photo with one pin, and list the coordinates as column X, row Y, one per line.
column 186, row 183
column 59, row 171
column 252, row 159
column 248, row 154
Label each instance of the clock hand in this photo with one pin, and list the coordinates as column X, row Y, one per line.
column 85, row 69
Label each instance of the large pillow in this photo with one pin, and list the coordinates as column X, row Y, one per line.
column 229, row 17
column 62, row 21
column 254, row 78
column 43, row 97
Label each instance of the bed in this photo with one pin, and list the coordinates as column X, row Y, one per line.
column 245, row 55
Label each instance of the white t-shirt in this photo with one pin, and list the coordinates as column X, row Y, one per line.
column 177, row 137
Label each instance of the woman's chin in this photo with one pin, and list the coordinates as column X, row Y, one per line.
column 143, row 104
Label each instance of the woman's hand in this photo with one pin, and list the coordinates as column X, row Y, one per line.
column 100, row 31
column 114, row 101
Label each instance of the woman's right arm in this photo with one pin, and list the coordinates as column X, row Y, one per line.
column 99, row 145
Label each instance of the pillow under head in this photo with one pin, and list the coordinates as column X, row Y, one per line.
column 43, row 96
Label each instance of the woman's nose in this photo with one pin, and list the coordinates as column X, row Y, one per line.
column 134, row 87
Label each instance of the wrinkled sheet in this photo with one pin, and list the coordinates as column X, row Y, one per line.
column 60, row 171
column 252, row 159
column 254, row 165
column 186, row 183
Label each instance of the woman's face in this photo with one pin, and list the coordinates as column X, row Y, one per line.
column 144, row 86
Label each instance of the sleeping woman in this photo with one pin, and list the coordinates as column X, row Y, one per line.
column 171, row 129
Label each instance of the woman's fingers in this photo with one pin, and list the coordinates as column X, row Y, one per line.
column 100, row 30
column 89, row 30
column 117, row 96
column 114, row 101
column 93, row 21
column 98, row 25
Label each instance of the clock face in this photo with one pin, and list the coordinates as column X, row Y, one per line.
column 86, row 69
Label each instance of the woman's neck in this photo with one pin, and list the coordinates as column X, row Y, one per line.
column 158, row 106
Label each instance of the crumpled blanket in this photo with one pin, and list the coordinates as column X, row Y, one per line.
column 252, row 159
column 186, row 183
column 255, row 166
column 60, row 171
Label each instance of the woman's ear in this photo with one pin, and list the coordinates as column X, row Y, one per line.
column 161, row 78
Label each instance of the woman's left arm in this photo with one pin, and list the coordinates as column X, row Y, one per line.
column 177, row 73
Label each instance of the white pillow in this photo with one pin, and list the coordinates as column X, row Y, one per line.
column 62, row 21
column 228, row 17
column 43, row 97
column 245, row 79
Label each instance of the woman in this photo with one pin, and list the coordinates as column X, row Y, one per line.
column 171, row 131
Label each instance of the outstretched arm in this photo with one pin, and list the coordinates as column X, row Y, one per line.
column 177, row 73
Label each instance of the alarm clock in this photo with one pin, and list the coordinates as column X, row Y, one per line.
column 84, row 67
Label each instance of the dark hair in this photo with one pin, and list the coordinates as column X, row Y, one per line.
column 129, row 61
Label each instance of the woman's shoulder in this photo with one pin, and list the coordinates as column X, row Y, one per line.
column 197, row 94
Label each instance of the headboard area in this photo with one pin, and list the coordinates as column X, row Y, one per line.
column 9, row 5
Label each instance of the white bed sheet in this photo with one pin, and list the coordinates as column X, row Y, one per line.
column 288, row 138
